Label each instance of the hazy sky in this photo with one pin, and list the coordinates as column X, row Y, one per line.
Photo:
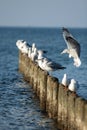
column 45, row 13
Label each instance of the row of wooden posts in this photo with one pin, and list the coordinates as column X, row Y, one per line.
column 70, row 112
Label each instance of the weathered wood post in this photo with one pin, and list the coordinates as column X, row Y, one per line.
column 21, row 62
column 36, row 77
column 63, row 107
column 43, row 88
column 71, row 111
column 85, row 117
column 38, row 82
column 79, row 113
column 60, row 105
column 26, row 67
column 52, row 96
column 49, row 96
column 31, row 73
column 55, row 98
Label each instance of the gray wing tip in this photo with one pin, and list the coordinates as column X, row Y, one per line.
column 63, row 67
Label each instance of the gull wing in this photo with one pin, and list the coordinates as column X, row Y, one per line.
column 55, row 65
column 66, row 34
column 73, row 44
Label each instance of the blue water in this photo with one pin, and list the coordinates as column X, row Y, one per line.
column 19, row 109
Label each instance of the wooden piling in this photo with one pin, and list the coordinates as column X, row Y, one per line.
column 38, row 86
column 55, row 98
column 36, row 76
column 43, row 89
column 49, row 96
column 79, row 112
column 21, row 62
column 60, row 106
column 85, row 118
column 52, row 95
column 70, row 111
column 63, row 107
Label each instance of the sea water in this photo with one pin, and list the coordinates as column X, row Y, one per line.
column 19, row 108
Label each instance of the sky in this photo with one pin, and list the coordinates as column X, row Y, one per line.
column 43, row 13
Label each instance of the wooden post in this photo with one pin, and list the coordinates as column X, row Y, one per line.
column 85, row 117
column 79, row 113
column 55, row 98
column 71, row 111
column 36, row 76
column 21, row 60
column 43, row 89
column 52, row 96
column 38, row 82
column 49, row 96
column 64, row 107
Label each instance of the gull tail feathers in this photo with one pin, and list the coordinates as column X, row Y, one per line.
column 77, row 62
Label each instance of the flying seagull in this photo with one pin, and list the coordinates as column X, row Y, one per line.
column 73, row 47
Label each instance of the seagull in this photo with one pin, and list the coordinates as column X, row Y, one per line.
column 19, row 44
column 73, row 47
column 47, row 64
column 65, row 81
column 34, row 55
column 40, row 54
column 73, row 85
column 22, row 46
column 29, row 52
column 24, row 49
column 33, row 46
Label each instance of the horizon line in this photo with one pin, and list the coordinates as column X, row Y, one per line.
column 26, row 26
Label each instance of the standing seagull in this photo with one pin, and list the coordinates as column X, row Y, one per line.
column 73, row 47
column 65, row 80
column 49, row 65
column 73, row 86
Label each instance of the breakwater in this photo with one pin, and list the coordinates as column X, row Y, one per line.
column 69, row 111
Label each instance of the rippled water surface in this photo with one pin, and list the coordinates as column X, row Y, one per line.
column 19, row 108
